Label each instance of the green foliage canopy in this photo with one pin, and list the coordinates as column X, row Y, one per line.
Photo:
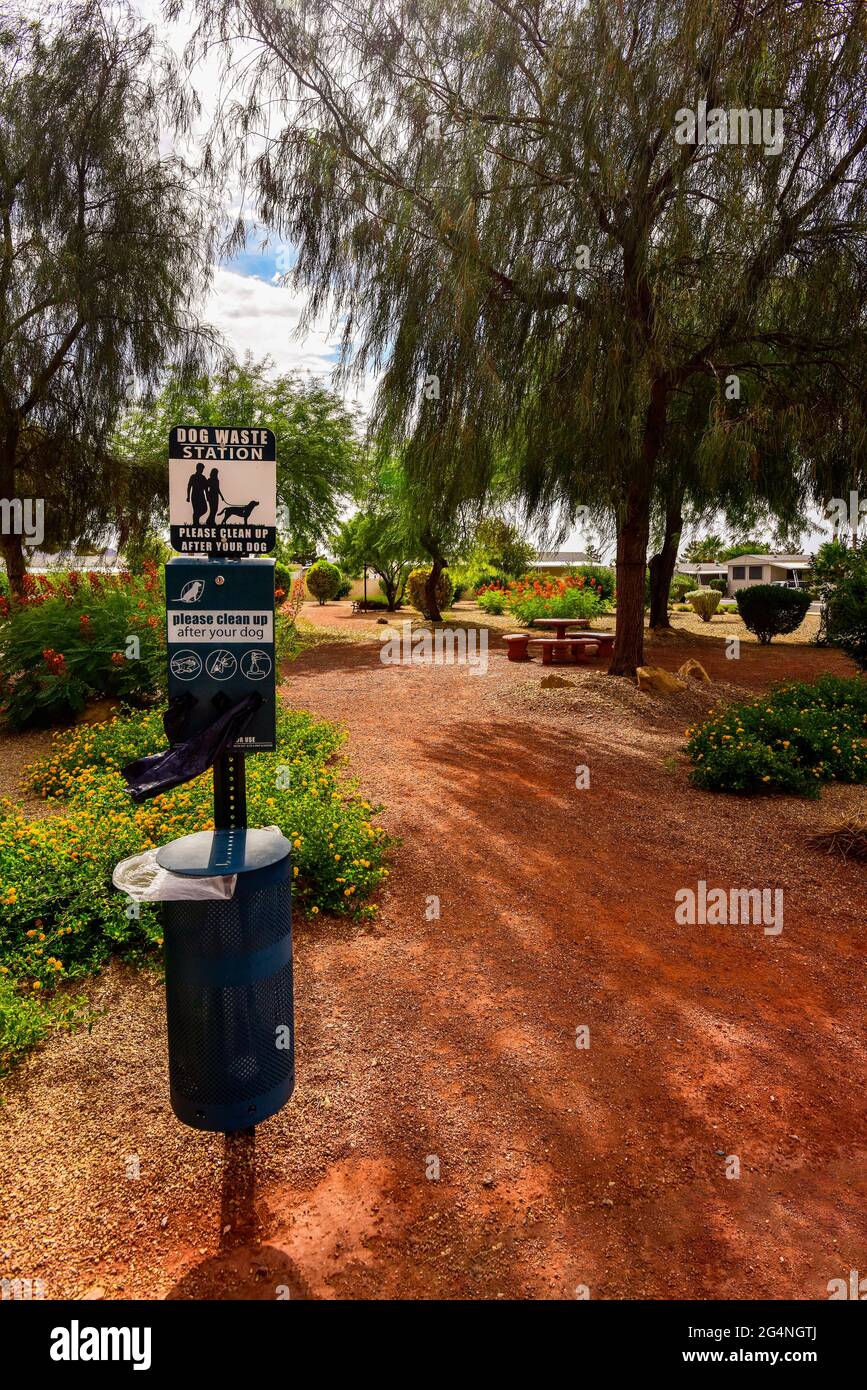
column 498, row 211
column 104, row 250
column 317, row 438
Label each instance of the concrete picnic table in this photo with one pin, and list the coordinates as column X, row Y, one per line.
column 560, row 625
column 604, row 640
column 562, row 650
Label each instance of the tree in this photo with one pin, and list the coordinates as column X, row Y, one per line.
column 429, row 519
column 731, row 552
column 704, row 551
column 373, row 539
column 103, row 248
column 508, row 204
column 499, row 544
column 838, row 567
column 317, row 439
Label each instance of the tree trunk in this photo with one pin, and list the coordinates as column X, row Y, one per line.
column 388, row 585
column 16, row 567
column 633, row 534
column 662, row 565
column 431, row 602
column 10, row 544
column 632, row 537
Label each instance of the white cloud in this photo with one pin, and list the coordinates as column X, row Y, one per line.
column 262, row 318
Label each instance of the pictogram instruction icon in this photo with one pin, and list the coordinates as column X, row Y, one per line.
column 221, row 665
column 255, row 665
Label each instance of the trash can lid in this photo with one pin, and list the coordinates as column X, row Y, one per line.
column 210, row 853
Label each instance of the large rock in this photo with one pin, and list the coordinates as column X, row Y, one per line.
column 695, row 669
column 660, row 682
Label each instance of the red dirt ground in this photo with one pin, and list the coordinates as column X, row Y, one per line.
column 455, row 1039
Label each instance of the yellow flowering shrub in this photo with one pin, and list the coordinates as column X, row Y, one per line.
column 60, row 916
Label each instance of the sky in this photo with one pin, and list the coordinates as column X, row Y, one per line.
column 246, row 301
column 256, row 313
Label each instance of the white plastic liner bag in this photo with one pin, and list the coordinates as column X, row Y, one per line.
column 142, row 879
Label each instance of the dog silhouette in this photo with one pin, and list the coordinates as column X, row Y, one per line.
column 243, row 513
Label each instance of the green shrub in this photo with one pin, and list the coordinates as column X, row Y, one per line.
column 69, row 641
column 469, row 578
column 569, row 596
column 323, row 580
column 344, row 588
column 770, row 610
column 791, row 740
column 60, row 917
column 485, row 576
column 681, row 585
column 571, row 603
column 704, row 602
column 283, row 577
column 846, row 614
column 145, row 552
column 492, row 600
column 415, row 590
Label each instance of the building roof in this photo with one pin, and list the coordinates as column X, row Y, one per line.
column 706, row 567
column 557, row 559
column 791, row 561
column 44, row 562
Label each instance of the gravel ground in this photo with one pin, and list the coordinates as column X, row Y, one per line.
column 17, row 751
column 447, row 1137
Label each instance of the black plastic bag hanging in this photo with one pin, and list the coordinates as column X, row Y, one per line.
column 147, row 777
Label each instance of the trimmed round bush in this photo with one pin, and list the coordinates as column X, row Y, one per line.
column 704, row 602
column 415, row 590
column 770, row 610
column 323, row 580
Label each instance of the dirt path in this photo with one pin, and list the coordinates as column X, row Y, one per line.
column 448, row 1046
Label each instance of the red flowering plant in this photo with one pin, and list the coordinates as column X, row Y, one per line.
column 569, row 596
column 68, row 640
column 293, row 604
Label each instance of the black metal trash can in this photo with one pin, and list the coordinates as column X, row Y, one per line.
column 229, row 981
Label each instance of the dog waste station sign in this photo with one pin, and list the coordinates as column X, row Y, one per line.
column 220, row 609
column 222, row 490
column 228, row 942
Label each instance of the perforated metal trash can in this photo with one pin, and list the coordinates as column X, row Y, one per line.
column 229, row 1002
